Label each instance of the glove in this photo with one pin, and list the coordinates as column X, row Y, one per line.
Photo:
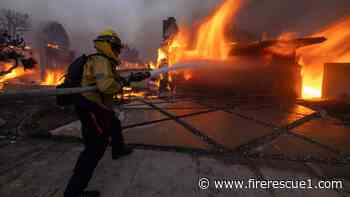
column 139, row 76
column 124, row 82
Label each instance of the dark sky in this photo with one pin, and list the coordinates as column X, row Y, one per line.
column 139, row 22
column 304, row 16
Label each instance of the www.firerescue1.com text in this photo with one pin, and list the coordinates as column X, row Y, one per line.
column 307, row 184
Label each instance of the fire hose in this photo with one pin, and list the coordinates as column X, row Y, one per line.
column 133, row 77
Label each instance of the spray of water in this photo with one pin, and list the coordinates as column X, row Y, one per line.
column 198, row 64
column 174, row 67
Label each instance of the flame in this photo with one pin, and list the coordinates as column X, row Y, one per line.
column 284, row 47
column 129, row 92
column 187, row 75
column 211, row 41
column 17, row 72
column 134, row 94
column 161, row 56
column 127, row 88
column 53, row 46
column 53, row 77
column 336, row 49
column 208, row 39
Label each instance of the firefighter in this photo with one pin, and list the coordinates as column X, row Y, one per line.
column 95, row 112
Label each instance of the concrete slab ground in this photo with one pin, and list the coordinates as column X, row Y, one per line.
column 328, row 132
column 182, row 108
column 275, row 116
column 228, row 129
column 144, row 173
column 179, row 142
column 135, row 116
column 294, row 147
column 167, row 133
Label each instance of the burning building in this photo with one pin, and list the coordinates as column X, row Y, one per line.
column 55, row 52
column 50, row 49
column 336, row 81
column 313, row 58
column 170, row 28
column 270, row 70
column 286, row 66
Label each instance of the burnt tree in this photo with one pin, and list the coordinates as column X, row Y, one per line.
column 14, row 22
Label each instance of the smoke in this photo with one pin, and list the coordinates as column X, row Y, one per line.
column 303, row 17
column 139, row 22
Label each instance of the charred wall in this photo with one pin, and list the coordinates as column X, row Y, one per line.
column 54, row 46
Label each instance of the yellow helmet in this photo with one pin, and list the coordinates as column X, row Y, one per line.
column 109, row 43
column 109, row 32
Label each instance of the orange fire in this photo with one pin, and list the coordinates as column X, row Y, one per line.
column 53, row 77
column 15, row 73
column 129, row 92
column 336, row 49
column 284, row 47
column 53, row 46
column 209, row 39
column 187, row 75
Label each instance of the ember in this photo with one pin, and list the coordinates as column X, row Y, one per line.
column 53, row 46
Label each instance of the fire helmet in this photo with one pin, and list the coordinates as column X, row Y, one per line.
column 109, row 43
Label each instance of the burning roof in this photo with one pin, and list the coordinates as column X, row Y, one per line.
column 209, row 41
column 259, row 46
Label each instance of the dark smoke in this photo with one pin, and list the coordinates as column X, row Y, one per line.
column 300, row 16
column 139, row 22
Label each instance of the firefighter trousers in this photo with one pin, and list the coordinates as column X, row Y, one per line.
column 98, row 124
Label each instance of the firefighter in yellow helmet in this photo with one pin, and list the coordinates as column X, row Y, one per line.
column 96, row 114
column 100, row 69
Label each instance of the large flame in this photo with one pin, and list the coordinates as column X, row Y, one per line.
column 336, row 49
column 52, row 76
column 15, row 73
column 209, row 40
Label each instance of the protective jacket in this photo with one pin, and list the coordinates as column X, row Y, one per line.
column 100, row 70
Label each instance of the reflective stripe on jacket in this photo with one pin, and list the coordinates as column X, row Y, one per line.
column 99, row 70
